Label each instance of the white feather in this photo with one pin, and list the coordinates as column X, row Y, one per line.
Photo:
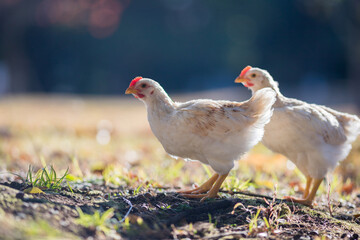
column 316, row 138
column 213, row 132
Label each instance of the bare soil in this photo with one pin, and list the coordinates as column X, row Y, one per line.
column 164, row 214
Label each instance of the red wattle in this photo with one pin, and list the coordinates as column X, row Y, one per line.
column 138, row 95
column 248, row 84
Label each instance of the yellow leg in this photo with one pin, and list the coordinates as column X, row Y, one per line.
column 204, row 187
column 307, row 188
column 310, row 198
column 213, row 191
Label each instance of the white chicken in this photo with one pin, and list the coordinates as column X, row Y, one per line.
column 314, row 137
column 216, row 133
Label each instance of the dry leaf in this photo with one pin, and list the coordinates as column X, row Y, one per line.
column 347, row 188
column 33, row 190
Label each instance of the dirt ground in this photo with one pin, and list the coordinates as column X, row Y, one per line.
column 164, row 214
column 122, row 184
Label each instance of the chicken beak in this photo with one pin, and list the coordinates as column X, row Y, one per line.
column 240, row 79
column 130, row 90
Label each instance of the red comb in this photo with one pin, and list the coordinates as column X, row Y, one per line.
column 134, row 81
column 244, row 71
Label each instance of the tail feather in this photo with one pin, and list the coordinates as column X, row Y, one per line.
column 350, row 123
column 352, row 127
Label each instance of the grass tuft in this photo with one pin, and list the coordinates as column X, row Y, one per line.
column 97, row 220
column 44, row 179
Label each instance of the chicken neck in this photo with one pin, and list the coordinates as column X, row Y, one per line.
column 270, row 83
column 159, row 102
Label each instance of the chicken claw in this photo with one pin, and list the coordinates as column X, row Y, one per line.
column 202, row 196
column 308, row 201
column 305, row 201
column 213, row 191
column 203, row 188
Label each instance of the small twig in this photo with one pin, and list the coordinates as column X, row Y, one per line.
column 128, row 212
column 328, row 199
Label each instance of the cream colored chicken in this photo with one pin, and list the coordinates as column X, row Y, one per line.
column 216, row 133
column 316, row 138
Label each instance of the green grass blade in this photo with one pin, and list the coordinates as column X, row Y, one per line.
column 63, row 177
column 54, row 172
column 70, row 187
column 30, row 175
column 47, row 175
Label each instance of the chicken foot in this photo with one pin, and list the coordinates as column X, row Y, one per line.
column 212, row 192
column 307, row 188
column 310, row 197
column 203, row 188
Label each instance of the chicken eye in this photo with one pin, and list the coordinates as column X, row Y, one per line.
column 143, row 85
column 253, row 75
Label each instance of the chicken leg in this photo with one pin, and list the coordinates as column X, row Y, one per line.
column 310, row 197
column 212, row 192
column 204, row 187
column 307, row 188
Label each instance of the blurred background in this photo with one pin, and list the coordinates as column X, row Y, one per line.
column 311, row 47
column 65, row 65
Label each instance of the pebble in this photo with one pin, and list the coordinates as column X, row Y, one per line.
column 54, row 211
column 21, row 215
column 263, row 234
column 26, row 205
column 94, row 193
column 98, row 199
column 350, row 205
column 346, row 204
column 344, row 235
column 64, row 223
column 355, row 236
column 34, row 206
